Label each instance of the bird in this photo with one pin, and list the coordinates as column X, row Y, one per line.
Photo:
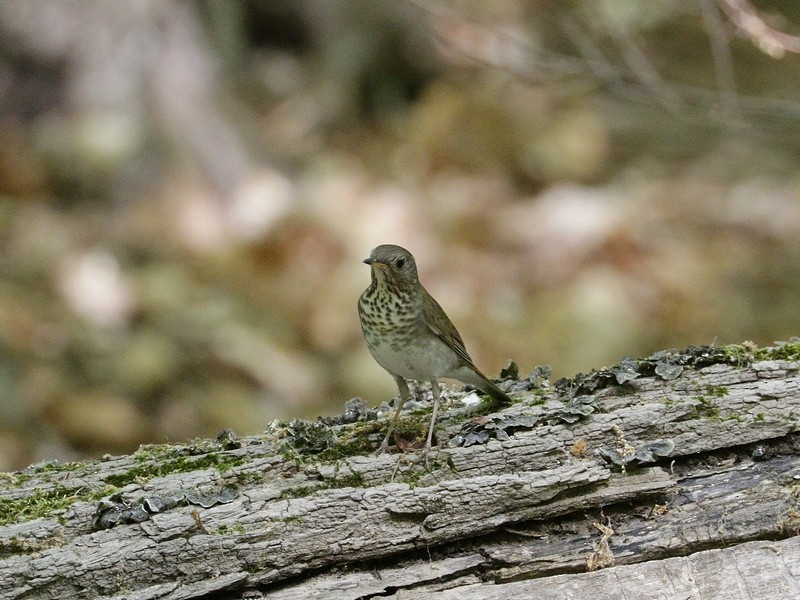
column 409, row 334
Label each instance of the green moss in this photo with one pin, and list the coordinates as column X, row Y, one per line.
column 13, row 545
column 15, row 479
column 302, row 445
column 220, row 461
column 294, row 520
column 351, row 480
column 40, row 504
column 355, row 440
column 249, row 478
column 410, row 428
column 788, row 351
column 57, row 467
column 299, row 491
column 739, row 355
column 158, row 452
column 707, row 408
column 538, row 398
column 42, row 471
column 411, row 477
column 744, row 354
column 489, row 405
column 28, row 545
column 717, row 391
column 170, row 452
column 759, row 418
column 225, row 530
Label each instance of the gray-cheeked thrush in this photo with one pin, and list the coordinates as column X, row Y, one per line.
column 409, row 334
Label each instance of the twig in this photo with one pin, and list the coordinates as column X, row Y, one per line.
column 721, row 52
column 769, row 40
column 645, row 72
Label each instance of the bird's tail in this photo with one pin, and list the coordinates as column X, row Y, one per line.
column 470, row 375
column 495, row 392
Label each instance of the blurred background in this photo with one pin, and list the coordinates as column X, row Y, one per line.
column 187, row 190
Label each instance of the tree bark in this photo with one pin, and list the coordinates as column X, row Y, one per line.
column 308, row 511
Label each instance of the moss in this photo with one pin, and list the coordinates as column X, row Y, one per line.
column 302, row 445
column 411, row 428
column 489, row 405
column 739, row 355
column 355, row 440
column 28, row 545
column 57, row 467
column 41, row 504
column 42, row 473
column 308, row 437
column 248, row 478
column 294, row 520
column 411, row 477
column 707, row 408
column 788, row 351
column 537, row 399
column 225, row 530
column 158, row 452
column 220, row 461
column 717, row 391
column 745, row 353
column 299, row 491
column 351, row 480
column 168, row 452
column 15, row 479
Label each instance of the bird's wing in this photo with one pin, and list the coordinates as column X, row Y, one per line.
column 438, row 323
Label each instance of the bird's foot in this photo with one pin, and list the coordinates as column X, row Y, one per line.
column 426, row 450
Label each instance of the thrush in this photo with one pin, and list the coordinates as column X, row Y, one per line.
column 409, row 334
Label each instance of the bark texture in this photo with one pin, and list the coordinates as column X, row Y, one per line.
column 533, row 512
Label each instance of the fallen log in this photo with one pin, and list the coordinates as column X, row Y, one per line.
column 649, row 478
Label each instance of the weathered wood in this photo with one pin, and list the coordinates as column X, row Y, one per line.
column 741, row 501
column 760, row 570
column 481, row 516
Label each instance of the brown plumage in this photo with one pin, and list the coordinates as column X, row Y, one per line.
column 410, row 335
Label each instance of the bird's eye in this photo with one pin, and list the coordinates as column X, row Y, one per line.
column 400, row 263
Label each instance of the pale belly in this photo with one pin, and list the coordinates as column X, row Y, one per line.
column 429, row 358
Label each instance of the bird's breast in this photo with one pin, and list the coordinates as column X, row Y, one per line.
column 398, row 338
column 388, row 313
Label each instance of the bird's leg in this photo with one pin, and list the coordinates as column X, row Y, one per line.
column 435, row 390
column 404, row 395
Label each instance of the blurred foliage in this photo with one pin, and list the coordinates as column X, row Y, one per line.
column 187, row 190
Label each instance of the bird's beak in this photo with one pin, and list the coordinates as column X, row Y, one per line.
column 375, row 263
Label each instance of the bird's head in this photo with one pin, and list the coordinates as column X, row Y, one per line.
column 394, row 265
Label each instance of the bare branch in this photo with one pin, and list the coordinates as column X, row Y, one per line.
column 474, row 42
column 494, row 46
column 645, row 72
column 721, row 52
column 769, row 40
